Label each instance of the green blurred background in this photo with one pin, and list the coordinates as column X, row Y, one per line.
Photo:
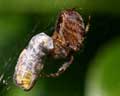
column 95, row 70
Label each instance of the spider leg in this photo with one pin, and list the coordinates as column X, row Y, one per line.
column 61, row 70
column 87, row 27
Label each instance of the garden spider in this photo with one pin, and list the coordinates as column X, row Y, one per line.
column 66, row 39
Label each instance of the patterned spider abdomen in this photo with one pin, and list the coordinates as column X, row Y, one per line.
column 30, row 61
column 69, row 33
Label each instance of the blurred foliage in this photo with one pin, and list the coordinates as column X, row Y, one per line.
column 46, row 6
column 103, row 77
column 20, row 20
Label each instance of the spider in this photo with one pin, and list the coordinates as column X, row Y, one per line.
column 66, row 39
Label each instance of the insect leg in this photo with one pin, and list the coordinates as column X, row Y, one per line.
column 61, row 70
column 87, row 27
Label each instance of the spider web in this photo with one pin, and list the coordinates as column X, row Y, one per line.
column 9, row 62
column 9, row 59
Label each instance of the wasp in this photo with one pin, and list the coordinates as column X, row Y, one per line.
column 67, row 39
column 30, row 61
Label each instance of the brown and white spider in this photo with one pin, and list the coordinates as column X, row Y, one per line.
column 66, row 39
